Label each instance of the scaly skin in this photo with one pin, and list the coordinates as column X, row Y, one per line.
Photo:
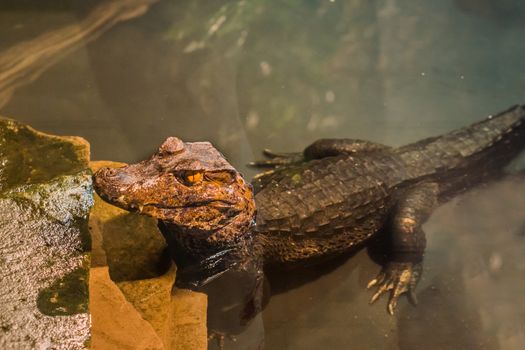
column 313, row 205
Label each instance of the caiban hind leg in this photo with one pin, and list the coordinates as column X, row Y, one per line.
column 319, row 149
column 402, row 272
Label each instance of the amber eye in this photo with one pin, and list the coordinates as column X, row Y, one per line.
column 191, row 178
column 223, row 177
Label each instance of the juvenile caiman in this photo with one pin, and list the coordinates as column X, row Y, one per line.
column 317, row 204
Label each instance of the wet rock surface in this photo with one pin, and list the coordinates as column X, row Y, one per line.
column 45, row 196
column 133, row 303
column 115, row 322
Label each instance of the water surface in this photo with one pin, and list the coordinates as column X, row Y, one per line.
column 253, row 74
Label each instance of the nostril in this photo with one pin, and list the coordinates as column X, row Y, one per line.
column 111, row 172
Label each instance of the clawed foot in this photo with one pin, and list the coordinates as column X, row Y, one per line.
column 220, row 337
column 275, row 159
column 397, row 278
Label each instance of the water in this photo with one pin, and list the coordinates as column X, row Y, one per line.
column 253, row 74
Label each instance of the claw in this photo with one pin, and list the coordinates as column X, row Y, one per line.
column 220, row 337
column 381, row 290
column 398, row 278
column 375, row 297
column 266, row 173
column 269, row 163
column 271, row 154
column 261, row 163
column 392, row 306
column 276, row 159
column 372, row 283
column 376, row 281
column 399, row 289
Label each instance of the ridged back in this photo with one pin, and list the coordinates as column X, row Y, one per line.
column 483, row 148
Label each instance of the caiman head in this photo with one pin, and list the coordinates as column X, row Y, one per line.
column 187, row 185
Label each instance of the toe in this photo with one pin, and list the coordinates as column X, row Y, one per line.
column 269, row 153
column 382, row 289
column 392, row 304
column 398, row 279
column 376, row 281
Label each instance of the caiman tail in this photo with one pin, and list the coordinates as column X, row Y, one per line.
column 484, row 148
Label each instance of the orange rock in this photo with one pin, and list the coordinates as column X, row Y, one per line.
column 115, row 323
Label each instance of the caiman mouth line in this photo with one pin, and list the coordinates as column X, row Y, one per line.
column 216, row 203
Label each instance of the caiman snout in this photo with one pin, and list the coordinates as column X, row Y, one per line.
column 112, row 177
column 109, row 172
column 108, row 182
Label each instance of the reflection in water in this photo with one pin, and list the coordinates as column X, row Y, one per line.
column 25, row 62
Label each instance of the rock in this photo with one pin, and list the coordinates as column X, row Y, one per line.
column 135, row 252
column 28, row 156
column 178, row 316
column 116, row 324
column 187, row 326
column 45, row 196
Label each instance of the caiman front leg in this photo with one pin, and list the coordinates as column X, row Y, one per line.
column 401, row 274
column 319, row 149
column 220, row 338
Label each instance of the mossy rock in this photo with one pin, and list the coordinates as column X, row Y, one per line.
column 45, row 197
column 28, row 156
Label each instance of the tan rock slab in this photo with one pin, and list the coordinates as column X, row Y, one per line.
column 115, row 323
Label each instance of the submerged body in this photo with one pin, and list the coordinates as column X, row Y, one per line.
column 341, row 195
column 313, row 205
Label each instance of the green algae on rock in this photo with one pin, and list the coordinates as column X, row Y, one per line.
column 45, row 196
column 66, row 296
column 29, row 156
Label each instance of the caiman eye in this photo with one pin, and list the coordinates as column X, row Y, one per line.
column 192, row 178
column 224, row 177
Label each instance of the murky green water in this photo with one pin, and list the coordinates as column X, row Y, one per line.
column 267, row 73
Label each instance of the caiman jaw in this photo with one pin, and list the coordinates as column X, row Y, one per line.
column 216, row 203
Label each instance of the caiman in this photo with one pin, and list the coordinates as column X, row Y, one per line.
column 318, row 204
